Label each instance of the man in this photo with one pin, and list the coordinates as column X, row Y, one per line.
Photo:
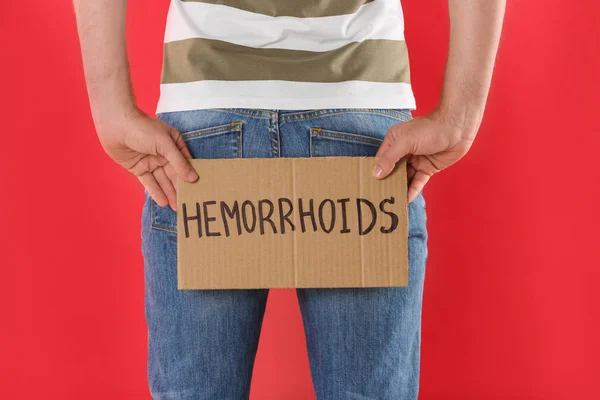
column 281, row 78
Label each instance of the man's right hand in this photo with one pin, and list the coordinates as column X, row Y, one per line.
column 150, row 149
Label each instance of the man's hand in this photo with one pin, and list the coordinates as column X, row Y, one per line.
column 430, row 144
column 440, row 139
column 150, row 149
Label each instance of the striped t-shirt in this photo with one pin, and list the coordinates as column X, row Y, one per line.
column 285, row 54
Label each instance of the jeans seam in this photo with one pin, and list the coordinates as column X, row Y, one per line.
column 277, row 137
column 213, row 130
column 345, row 136
column 239, row 130
column 272, row 127
column 312, row 143
column 305, row 115
column 254, row 112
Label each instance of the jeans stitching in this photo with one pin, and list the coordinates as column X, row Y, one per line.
column 154, row 224
column 348, row 137
column 214, row 130
column 277, row 137
column 305, row 115
column 272, row 136
column 239, row 139
column 253, row 112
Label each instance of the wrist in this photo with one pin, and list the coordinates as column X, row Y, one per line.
column 111, row 97
column 465, row 119
column 107, row 112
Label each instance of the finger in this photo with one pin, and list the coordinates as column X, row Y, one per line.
column 171, row 175
column 186, row 152
column 411, row 170
column 410, row 173
column 180, row 143
column 153, row 189
column 417, row 184
column 175, row 157
column 173, row 178
column 166, row 186
column 395, row 146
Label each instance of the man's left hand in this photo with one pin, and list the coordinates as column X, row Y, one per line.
column 430, row 143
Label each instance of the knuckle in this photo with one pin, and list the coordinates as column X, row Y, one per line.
column 392, row 156
column 386, row 159
column 393, row 135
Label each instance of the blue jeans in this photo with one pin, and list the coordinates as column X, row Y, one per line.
column 363, row 343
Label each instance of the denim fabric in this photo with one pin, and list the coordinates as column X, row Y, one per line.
column 363, row 343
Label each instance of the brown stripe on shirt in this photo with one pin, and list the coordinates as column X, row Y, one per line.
column 378, row 60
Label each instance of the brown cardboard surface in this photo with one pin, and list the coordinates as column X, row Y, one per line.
column 250, row 232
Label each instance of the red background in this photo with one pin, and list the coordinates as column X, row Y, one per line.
column 511, row 295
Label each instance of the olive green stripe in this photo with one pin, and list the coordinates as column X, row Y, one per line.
column 292, row 8
column 190, row 60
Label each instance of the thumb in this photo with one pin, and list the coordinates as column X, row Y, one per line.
column 395, row 146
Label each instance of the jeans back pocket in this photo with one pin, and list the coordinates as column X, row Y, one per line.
column 325, row 142
column 218, row 141
column 351, row 132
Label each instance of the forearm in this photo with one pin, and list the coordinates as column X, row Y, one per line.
column 101, row 27
column 475, row 27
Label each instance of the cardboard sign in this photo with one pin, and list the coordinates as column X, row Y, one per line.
column 292, row 223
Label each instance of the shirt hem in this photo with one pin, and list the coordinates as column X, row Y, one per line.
column 188, row 104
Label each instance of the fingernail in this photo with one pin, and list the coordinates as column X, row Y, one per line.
column 192, row 176
column 377, row 171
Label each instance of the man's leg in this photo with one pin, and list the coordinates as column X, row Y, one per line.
column 201, row 343
column 364, row 344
